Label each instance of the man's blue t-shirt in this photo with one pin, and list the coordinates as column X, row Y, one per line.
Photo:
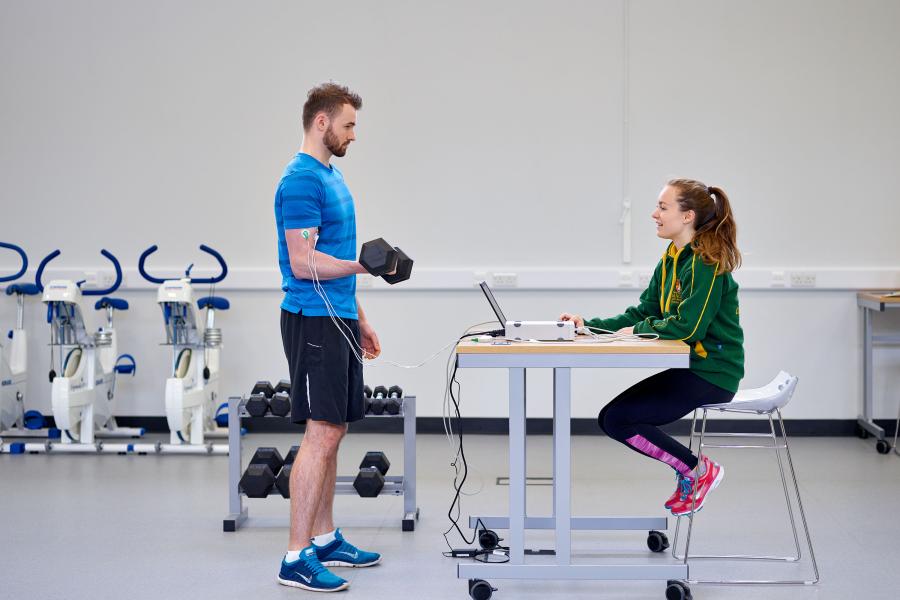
column 313, row 195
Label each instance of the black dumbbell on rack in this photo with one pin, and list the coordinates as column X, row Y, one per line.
column 265, row 398
column 258, row 403
column 394, row 400
column 259, row 478
column 283, row 480
column 383, row 400
column 377, row 402
column 370, row 480
column 383, row 260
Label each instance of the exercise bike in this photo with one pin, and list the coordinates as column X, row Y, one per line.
column 83, row 391
column 14, row 359
column 192, row 389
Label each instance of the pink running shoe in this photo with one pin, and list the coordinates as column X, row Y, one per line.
column 681, row 487
column 705, row 484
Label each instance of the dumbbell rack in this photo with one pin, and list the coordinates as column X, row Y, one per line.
column 396, row 485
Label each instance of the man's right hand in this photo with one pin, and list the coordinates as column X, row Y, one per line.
column 578, row 319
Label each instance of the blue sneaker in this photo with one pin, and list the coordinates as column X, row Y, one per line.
column 341, row 553
column 308, row 573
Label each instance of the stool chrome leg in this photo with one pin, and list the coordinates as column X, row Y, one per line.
column 787, row 497
column 812, row 553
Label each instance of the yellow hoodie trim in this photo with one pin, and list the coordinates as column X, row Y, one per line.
column 705, row 302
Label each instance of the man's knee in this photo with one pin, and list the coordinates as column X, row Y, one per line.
column 324, row 434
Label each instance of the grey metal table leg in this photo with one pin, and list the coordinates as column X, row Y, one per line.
column 865, row 420
column 562, row 468
column 517, row 468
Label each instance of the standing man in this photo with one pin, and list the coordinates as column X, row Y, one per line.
column 324, row 331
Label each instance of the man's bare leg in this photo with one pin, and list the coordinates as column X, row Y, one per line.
column 310, row 478
column 324, row 520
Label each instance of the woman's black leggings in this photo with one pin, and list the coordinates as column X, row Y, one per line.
column 635, row 415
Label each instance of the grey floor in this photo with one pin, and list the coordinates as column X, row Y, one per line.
column 139, row 527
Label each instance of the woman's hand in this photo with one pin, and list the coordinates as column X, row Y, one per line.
column 626, row 330
column 577, row 319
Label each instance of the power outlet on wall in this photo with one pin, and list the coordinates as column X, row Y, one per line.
column 505, row 280
column 803, row 279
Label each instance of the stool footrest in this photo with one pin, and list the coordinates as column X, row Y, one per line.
column 730, row 435
column 781, row 447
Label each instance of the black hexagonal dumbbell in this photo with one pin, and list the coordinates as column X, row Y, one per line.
column 280, row 404
column 257, row 405
column 370, row 480
column 283, row 481
column 259, row 478
column 394, row 400
column 263, row 387
column 383, row 260
column 378, row 257
column 283, row 385
column 376, row 405
column 257, row 481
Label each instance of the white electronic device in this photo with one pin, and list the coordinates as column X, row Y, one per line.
column 544, row 331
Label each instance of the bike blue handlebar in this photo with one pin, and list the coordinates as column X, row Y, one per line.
column 117, row 282
column 24, row 261
column 40, row 270
column 203, row 247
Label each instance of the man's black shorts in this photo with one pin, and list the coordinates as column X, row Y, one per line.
column 326, row 377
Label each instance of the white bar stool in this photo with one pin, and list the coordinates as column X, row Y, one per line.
column 767, row 400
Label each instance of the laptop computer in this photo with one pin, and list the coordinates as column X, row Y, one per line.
column 528, row 330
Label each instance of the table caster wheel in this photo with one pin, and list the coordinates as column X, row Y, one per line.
column 882, row 447
column 479, row 589
column 678, row 590
column 657, row 541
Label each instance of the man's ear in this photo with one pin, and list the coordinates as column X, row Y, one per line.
column 321, row 121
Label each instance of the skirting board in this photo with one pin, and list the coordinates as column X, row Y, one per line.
column 535, row 426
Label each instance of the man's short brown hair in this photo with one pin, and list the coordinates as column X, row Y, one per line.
column 328, row 98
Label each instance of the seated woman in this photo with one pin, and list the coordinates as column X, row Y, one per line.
column 691, row 297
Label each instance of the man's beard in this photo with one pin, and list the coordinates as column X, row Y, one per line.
column 333, row 144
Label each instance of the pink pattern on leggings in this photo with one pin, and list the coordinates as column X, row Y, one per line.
column 647, row 447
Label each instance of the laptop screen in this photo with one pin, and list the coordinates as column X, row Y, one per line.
column 493, row 302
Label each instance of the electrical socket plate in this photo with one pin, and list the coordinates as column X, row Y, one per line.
column 803, row 279
column 505, row 280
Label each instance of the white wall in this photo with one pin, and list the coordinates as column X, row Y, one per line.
column 126, row 124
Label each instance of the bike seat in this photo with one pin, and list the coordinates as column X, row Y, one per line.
column 27, row 289
column 216, row 302
column 116, row 303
